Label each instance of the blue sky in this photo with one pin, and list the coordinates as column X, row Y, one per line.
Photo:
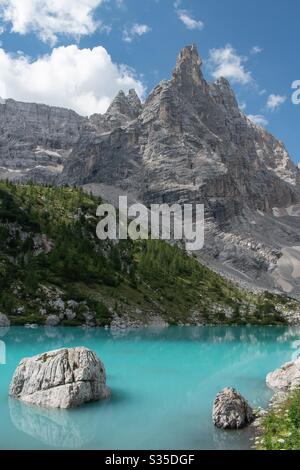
column 50, row 52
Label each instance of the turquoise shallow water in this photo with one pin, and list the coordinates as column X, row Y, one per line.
column 163, row 383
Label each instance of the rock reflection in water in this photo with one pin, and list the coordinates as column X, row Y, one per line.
column 3, row 331
column 233, row 439
column 65, row 429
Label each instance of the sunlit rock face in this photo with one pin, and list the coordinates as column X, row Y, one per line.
column 65, row 378
column 189, row 143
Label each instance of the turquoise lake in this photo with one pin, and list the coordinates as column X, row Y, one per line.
column 163, row 385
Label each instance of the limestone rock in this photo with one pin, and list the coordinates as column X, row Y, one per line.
column 285, row 378
column 35, row 139
column 52, row 320
column 231, row 410
column 4, row 321
column 70, row 314
column 65, row 378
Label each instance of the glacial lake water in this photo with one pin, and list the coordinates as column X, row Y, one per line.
column 163, row 385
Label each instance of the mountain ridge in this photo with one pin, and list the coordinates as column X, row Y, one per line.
column 188, row 143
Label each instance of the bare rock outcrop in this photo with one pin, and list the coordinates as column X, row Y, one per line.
column 231, row 410
column 64, row 378
column 286, row 378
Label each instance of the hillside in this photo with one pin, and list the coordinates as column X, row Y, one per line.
column 54, row 270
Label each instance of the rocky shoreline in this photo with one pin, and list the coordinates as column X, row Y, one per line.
column 232, row 412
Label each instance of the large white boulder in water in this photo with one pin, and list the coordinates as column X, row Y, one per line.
column 65, row 378
column 285, row 378
column 231, row 410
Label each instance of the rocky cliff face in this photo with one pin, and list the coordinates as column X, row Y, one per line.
column 190, row 142
column 35, row 139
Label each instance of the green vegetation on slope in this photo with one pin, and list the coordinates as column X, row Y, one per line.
column 52, row 261
column 281, row 426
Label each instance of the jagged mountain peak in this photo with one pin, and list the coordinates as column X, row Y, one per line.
column 188, row 67
column 223, row 93
column 132, row 94
column 224, row 86
column 189, row 142
column 119, row 104
column 188, row 57
column 128, row 105
column 134, row 100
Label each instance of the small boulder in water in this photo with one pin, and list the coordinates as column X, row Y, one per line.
column 231, row 410
column 65, row 378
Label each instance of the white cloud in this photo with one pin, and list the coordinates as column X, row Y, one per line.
column 258, row 119
column 256, row 50
column 49, row 18
column 189, row 21
column 275, row 101
column 85, row 80
column 225, row 62
column 134, row 31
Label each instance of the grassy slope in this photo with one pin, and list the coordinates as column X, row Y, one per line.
column 281, row 426
column 49, row 250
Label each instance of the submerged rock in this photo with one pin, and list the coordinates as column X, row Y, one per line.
column 231, row 410
column 65, row 378
column 285, row 378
